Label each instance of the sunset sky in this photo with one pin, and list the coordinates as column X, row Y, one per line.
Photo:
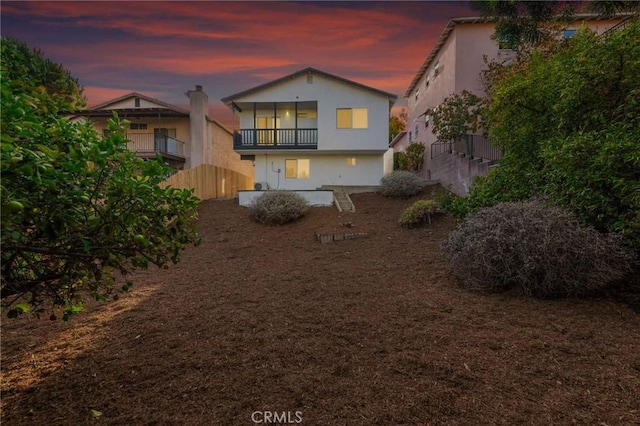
column 162, row 48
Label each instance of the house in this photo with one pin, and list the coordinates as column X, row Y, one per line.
column 453, row 65
column 184, row 138
column 311, row 129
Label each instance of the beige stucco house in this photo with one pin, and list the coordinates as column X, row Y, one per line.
column 311, row 129
column 453, row 65
column 184, row 138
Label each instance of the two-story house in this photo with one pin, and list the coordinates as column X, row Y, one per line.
column 454, row 64
column 183, row 138
column 311, row 129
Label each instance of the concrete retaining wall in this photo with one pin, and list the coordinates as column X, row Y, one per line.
column 315, row 198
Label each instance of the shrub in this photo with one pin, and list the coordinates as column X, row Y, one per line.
column 278, row 207
column 401, row 184
column 419, row 214
column 415, row 156
column 400, row 161
column 533, row 248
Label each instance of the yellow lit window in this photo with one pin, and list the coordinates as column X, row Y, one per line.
column 351, row 161
column 296, row 169
column 352, row 118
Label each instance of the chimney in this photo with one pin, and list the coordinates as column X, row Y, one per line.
column 198, row 107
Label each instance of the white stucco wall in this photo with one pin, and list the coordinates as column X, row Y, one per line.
column 314, row 198
column 323, row 170
column 330, row 94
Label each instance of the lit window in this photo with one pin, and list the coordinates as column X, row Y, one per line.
column 296, row 169
column 351, row 161
column 352, row 118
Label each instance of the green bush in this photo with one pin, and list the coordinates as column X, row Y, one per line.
column 419, row 214
column 401, row 184
column 278, row 207
column 568, row 123
column 535, row 249
column 400, row 161
column 415, row 156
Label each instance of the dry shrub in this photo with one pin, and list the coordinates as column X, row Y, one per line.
column 278, row 207
column 533, row 248
column 401, row 184
column 419, row 214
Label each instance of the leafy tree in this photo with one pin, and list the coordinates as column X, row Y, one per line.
column 457, row 115
column 415, row 156
column 78, row 212
column 520, row 24
column 30, row 67
column 567, row 122
column 397, row 124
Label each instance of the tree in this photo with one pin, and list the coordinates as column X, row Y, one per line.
column 397, row 124
column 79, row 212
column 29, row 66
column 457, row 115
column 520, row 25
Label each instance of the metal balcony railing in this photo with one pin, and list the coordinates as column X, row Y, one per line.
column 147, row 143
column 476, row 146
column 276, row 139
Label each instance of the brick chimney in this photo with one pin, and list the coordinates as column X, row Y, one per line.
column 199, row 105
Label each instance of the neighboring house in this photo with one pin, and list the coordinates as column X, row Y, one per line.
column 453, row 65
column 310, row 129
column 400, row 142
column 184, row 138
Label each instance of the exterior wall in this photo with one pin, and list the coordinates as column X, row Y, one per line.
column 130, row 103
column 401, row 143
column 222, row 154
column 330, row 95
column 323, row 170
column 387, row 162
column 457, row 171
column 314, row 198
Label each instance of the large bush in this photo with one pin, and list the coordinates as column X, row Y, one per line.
column 278, row 207
column 533, row 248
column 568, row 122
column 401, row 184
column 419, row 214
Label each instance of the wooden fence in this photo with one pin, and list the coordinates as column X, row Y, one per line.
column 209, row 181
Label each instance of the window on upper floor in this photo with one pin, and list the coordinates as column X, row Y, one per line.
column 352, row 118
column 568, row 32
column 427, row 81
column 436, row 68
column 351, row 161
column 138, row 126
column 415, row 130
column 136, row 102
column 417, row 95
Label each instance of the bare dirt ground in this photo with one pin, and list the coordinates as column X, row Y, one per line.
column 357, row 332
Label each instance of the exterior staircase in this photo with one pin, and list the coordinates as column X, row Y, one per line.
column 342, row 200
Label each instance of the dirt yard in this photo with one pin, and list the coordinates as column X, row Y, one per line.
column 368, row 331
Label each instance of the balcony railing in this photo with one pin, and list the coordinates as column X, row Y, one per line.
column 276, row 139
column 148, row 143
column 476, row 146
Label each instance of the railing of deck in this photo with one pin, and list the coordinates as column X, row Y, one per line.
column 276, row 139
column 149, row 143
column 472, row 145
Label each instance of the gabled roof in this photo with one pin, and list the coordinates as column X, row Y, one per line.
column 163, row 105
column 227, row 100
column 476, row 20
column 398, row 138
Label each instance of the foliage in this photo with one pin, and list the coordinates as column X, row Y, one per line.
column 535, row 249
column 419, row 214
column 415, row 156
column 567, row 122
column 278, row 207
column 400, row 161
column 77, row 210
column 401, row 184
column 29, row 69
column 397, row 124
column 520, row 25
column 455, row 116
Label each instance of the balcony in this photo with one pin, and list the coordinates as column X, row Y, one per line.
column 147, row 145
column 251, row 139
column 475, row 146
